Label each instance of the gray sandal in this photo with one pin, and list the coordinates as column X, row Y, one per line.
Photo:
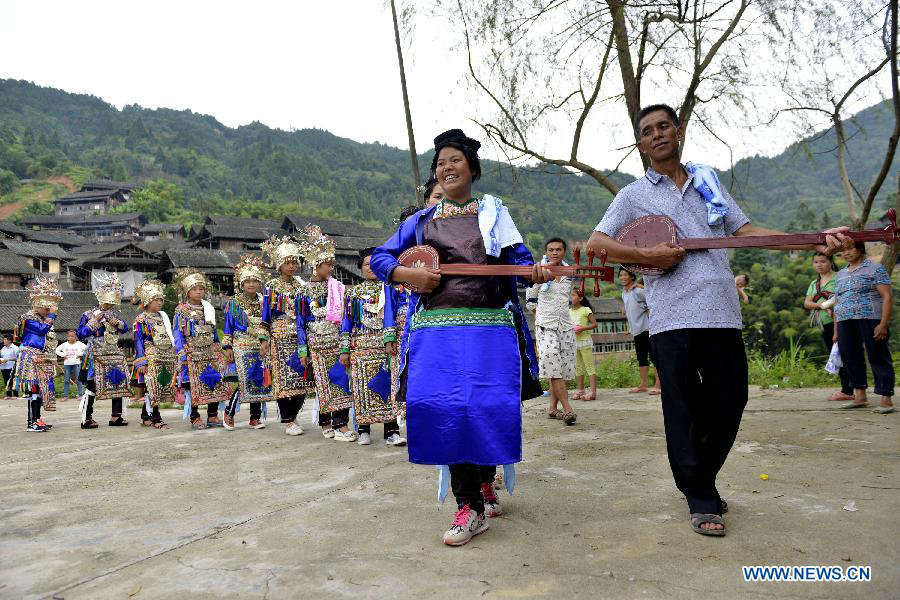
column 556, row 414
column 569, row 418
column 698, row 519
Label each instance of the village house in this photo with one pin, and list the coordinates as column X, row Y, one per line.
column 217, row 265
column 163, row 231
column 612, row 335
column 93, row 227
column 44, row 258
column 116, row 257
column 14, row 272
column 234, row 234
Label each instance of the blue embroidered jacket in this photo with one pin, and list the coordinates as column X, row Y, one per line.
column 409, row 234
column 32, row 330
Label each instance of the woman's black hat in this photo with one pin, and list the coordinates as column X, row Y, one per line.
column 456, row 136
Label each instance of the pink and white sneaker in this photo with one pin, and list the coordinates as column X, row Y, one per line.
column 466, row 525
column 491, row 502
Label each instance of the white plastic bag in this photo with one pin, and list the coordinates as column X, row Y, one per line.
column 834, row 363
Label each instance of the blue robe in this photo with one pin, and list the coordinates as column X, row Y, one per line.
column 464, row 382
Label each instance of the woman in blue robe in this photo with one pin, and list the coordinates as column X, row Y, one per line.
column 467, row 361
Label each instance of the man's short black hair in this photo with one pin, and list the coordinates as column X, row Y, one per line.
column 7, row 337
column 363, row 254
column 861, row 246
column 653, row 108
column 556, row 239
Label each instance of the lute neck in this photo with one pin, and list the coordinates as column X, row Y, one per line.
column 786, row 239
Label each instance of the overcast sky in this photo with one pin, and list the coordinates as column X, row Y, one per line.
column 309, row 63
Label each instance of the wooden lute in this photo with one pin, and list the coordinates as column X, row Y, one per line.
column 655, row 229
column 426, row 256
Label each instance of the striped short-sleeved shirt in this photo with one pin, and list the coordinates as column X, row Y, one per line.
column 700, row 291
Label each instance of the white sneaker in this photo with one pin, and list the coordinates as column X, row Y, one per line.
column 293, row 429
column 329, row 433
column 395, row 440
column 364, row 439
column 466, row 525
column 345, row 436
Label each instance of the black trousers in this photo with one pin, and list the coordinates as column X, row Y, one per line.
column 827, row 337
column 466, row 480
column 212, row 410
column 335, row 419
column 153, row 416
column 89, row 384
column 7, row 375
column 390, row 428
column 854, row 335
column 34, row 409
column 116, row 407
column 290, row 407
column 255, row 409
column 703, row 373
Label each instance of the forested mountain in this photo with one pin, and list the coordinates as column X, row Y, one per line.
column 802, row 186
column 257, row 171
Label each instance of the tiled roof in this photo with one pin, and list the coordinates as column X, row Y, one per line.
column 242, row 222
column 107, row 184
column 13, row 264
column 203, row 258
column 86, row 196
column 80, row 220
column 14, row 303
column 12, row 229
column 66, row 239
column 159, row 247
column 36, row 250
column 160, row 227
column 331, row 227
column 238, row 232
column 101, row 248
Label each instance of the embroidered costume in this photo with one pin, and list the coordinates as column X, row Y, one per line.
column 244, row 335
column 290, row 380
column 396, row 307
column 374, row 383
column 104, row 369
column 48, row 365
column 30, row 377
column 154, row 349
column 202, row 363
column 319, row 307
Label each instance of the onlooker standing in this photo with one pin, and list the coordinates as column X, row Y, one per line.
column 638, row 314
column 71, row 351
column 8, row 354
column 820, row 300
column 554, row 333
column 582, row 315
column 740, row 282
column 863, row 311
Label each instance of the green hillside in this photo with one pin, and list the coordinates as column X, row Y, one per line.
column 802, row 184
column 255, row 170
column 205, row 167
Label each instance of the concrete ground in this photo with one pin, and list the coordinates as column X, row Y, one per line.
column 137, row 513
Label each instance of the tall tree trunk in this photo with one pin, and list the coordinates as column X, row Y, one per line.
column 417, row 179
column 630, row 82
column 892, row 252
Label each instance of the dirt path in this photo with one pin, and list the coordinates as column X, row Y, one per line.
column 136, row 513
